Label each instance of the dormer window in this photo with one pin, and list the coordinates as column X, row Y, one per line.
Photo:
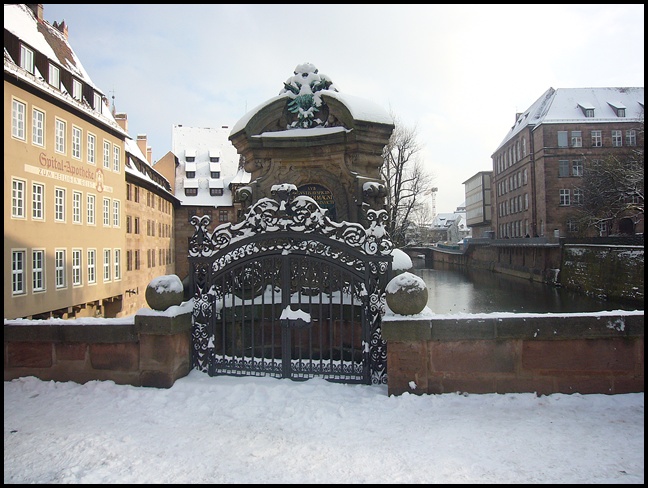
column 214, row 170
column 190, row 155
column 97, row 101
column 191, row 188
column 77, row 89
column 618, row 108
column 190, row 170
column 214, row 156
column 26, row 59
column 587, row 108
column 54, row 76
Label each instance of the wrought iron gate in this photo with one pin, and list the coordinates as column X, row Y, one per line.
column 289, row 293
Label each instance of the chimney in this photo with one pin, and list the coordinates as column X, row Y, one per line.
column 122, row 120
column 141, row 144
column 149, row 154
column 37, row 8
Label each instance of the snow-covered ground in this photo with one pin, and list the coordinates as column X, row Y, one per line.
column 265, row 430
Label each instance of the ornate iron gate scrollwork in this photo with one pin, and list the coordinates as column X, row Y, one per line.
column 288, row 292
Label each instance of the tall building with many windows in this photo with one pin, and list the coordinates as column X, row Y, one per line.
column 64, row 186
column 88, row 221
column 538, row 165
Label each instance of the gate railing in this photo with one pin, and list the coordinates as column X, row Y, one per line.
column 289, row 272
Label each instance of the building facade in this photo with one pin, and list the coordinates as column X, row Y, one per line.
column 204, row 171
column 64, row 186
column 479, row 203
column 76, row 186
column 537, row 168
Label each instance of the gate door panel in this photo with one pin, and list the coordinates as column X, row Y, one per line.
column 290, row 294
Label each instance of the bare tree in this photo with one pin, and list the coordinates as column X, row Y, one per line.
column 406, row 180
column 612, row 188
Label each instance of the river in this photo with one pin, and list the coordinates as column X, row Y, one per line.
column 453, row 290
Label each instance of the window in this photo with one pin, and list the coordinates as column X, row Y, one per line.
column 191, row 192
column 223, row 216
column 137, row 259
column 59, row 136
column 572, row 226
column 92, row 142
column 76, row 207
column 106, row 212
column 38, row 270
column 576, row 138
column 76, row 267
column 106, row 154
column 577, row 168
column 106, row 265
column 76, row 142
column 129, row 260
column 215, row 192
column 96, row 100
column 38, row 194
column 617, row 138
column 18, row 272
column 563, row 168
column 587, row 108
column 562, row 138
column 564, row 198
column 26, row 59
column 91, row 209
column 59, row 268
column 59, row 204
column 631, row 137
column 129, row 224
column 92, row 266
column 137, row 194
column 116, row 158
column 17, row 199
column 137, row 225
column 597, row 138
column 54, row 76
column 38, row 127
column 116, row 213
column 578, row 197
column 215, row 174
column 77, row 89
column 117, row 263
column 18, row 119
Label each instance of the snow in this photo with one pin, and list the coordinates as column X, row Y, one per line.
column 167, row 284
column 400, row 260
column 405, row 281
column 264, row 430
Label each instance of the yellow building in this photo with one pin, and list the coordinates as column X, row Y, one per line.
column 64, row 178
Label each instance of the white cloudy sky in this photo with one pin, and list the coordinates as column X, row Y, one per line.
column 455, row 73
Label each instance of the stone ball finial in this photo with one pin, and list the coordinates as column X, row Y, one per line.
column 164, row 292
column 406, row 294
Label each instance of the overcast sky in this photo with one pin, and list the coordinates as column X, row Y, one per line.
column 457, row 74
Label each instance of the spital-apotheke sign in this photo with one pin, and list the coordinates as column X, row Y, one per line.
column 57, row 169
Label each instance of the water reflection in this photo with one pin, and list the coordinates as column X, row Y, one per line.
column 455, row 290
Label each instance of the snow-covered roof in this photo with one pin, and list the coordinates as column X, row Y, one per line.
column 20, row 21
column 133, row 152
column 568, row 105
column 204, row 143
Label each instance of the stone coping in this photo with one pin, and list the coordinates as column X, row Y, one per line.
column 105, row 332
column 524, row 327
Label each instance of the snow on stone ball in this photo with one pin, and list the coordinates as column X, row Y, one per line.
column 164, row 292
column 406, row 294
